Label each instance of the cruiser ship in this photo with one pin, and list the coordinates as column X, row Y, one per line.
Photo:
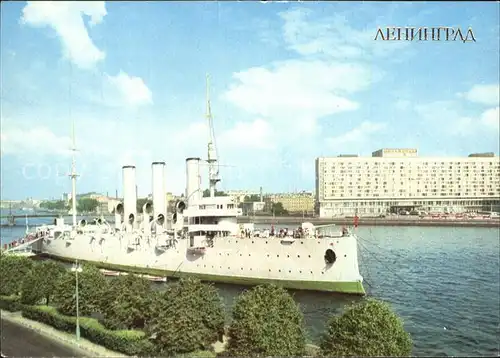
column 202, row 237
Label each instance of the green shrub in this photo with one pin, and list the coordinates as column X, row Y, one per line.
column 10, row 303
column 91, row 285
column 368, row 328
column 127, row 303
column 266, row 322
column 13, row 269
column 190, row 317
column 199, row 354
column 40, row 282
column 126, row 342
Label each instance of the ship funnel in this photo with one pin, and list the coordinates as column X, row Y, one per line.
column 193, row 181
column 159, row 192
column 118, row 216
column 147, row 209
column 129, row 196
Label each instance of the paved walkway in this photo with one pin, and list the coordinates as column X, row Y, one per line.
column 22, row 337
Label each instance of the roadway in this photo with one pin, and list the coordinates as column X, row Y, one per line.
column 19, row 341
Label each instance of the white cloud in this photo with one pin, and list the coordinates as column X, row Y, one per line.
column 309, row 34
column 128, row 90
column 484, row 94
column 257, row 134
column 33, row 140
column 357, row 135
column 296, row 93
column 66, row 18
column 491, row 119
column 449, row 116
column 402, row 104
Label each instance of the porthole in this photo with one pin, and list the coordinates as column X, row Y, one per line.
column 287, row 255
column 267, row 255
column 298, row 255
column 289, row 271
column 311, row 272
column 302, row 242
column 241, row 254
column 269, row 270
column 242, row 268
column 277, row 255
column 300, row 271
column 249, row 254
column 236, row 241
column 266, row 242
column 252, row 241
column 345, row 255
column 279, row 270
column 309, row 256
column 229, row 268
column 330, row 257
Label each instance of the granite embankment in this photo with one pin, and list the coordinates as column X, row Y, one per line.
column 370, row 221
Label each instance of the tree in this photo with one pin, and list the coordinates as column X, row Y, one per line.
column 127, row 302
column 41, row 282
column 266, row 322
column 54, row 205
column 278, row 209
column 87, row 205
column 251, row 198
column 91, row 285
column 13, row 270
column 189, row 317
column 368, row 328
column 206, row 193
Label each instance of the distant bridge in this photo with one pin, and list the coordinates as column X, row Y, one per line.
column 11, row 219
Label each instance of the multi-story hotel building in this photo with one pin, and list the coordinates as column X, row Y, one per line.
column 394, row 179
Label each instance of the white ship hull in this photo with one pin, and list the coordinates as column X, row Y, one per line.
column 292, row 263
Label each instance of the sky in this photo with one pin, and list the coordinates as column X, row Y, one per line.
column 290, row 81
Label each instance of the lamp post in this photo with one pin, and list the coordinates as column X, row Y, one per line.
column 76, row 269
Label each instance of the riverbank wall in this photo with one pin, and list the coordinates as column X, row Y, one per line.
column 397, row 221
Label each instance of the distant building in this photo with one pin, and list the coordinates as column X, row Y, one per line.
column 239, row 195
column 250, row 208
column 302, row 202
column 397, row 179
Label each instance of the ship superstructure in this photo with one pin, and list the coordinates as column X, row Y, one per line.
column 202, row 237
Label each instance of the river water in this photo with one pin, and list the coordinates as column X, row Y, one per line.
column 444, row 282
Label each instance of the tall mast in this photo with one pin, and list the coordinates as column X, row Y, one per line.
column 213, row 167
column 73, row 174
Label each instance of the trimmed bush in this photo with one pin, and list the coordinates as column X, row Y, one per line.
column 91, row 286
column 368, row 328
column 40, row 283
column 13, row 270
column 127, row 302
column 189, row 317
column 266, row 322
column 126, row 342
column 10, row 303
